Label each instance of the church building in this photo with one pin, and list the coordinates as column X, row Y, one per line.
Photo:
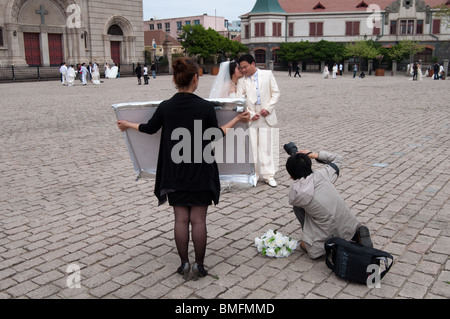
column 49, row 32
column 272, row 22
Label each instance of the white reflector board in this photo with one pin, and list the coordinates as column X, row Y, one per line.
column 236, row 169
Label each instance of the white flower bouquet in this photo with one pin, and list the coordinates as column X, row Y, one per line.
column 274, row 244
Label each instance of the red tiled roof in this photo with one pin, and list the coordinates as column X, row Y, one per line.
column 306, row 6
column 159, row 36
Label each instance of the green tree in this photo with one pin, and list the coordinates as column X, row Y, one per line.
column 362, row 50
column 201, row 42
column 319, row 51
column 230, row 48
column 328, row 51
column 295, row 51
column 404, row 50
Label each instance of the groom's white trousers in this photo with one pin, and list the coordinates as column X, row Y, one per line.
column 264, row 141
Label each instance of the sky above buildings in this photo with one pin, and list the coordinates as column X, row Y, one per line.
column 229, row 9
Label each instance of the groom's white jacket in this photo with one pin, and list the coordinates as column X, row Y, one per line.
column 268, row 91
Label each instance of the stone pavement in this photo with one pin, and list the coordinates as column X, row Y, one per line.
column 69, row 196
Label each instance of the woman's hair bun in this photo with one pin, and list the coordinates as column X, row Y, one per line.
column 184, row 70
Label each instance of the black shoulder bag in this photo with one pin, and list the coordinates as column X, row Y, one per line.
column 350, row 260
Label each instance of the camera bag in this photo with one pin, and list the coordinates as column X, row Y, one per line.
column 351, row 260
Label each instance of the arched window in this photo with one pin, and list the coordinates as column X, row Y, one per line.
column 260, row 56
column 1, row 38
column 115, row 30
column 424, row 56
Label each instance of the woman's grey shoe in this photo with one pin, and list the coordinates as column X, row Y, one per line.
column 184, row 270
column 199, row 271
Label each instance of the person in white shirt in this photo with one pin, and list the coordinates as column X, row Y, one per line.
column 84, row 72
column 63, row 71
column 145, row 75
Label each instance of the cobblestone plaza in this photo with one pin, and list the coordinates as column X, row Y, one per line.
column 69, row 195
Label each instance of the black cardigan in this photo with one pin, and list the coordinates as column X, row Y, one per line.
column 184, row 112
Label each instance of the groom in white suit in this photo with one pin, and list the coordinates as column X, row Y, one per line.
column 262, row 93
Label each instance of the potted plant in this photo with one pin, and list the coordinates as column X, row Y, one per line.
column 215, row 68
column 379, row 71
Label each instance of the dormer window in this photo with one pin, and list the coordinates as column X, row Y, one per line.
column 319, row 6
column 362, row 5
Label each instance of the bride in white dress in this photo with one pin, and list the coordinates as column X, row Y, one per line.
column 225, row 84
column 113, row 72
column 335, row 68
column 107, row 71
column 71, row 75
column 419, row 72
column 95, row 74
column 326, row 73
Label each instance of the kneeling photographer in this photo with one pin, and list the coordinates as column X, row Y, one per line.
column 318, row 206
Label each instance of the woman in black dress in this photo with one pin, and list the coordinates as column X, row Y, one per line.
column 185, row 177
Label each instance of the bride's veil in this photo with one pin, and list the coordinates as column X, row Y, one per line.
column 222, row 82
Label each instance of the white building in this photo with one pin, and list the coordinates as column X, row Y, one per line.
column 272, row 22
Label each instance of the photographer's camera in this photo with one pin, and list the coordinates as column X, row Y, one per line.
column 291, row 148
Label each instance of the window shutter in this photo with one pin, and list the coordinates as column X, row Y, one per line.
column 348, row 28
column 319, row 29
column 436, row 26
column 276, row 29
column 376, row 31
column 257, row 30
column 312, row 29
column 355, row 28
column 260, row 29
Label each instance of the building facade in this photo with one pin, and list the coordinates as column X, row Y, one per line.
column 173, row 26
column 272, row 22
column 156, row 42
column 48, row 32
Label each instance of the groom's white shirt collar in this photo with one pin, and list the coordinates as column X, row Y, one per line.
column 254, row 75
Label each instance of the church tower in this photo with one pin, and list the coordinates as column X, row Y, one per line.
column 49, row 32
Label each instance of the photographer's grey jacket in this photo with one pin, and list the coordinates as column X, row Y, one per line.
column 326, row 214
